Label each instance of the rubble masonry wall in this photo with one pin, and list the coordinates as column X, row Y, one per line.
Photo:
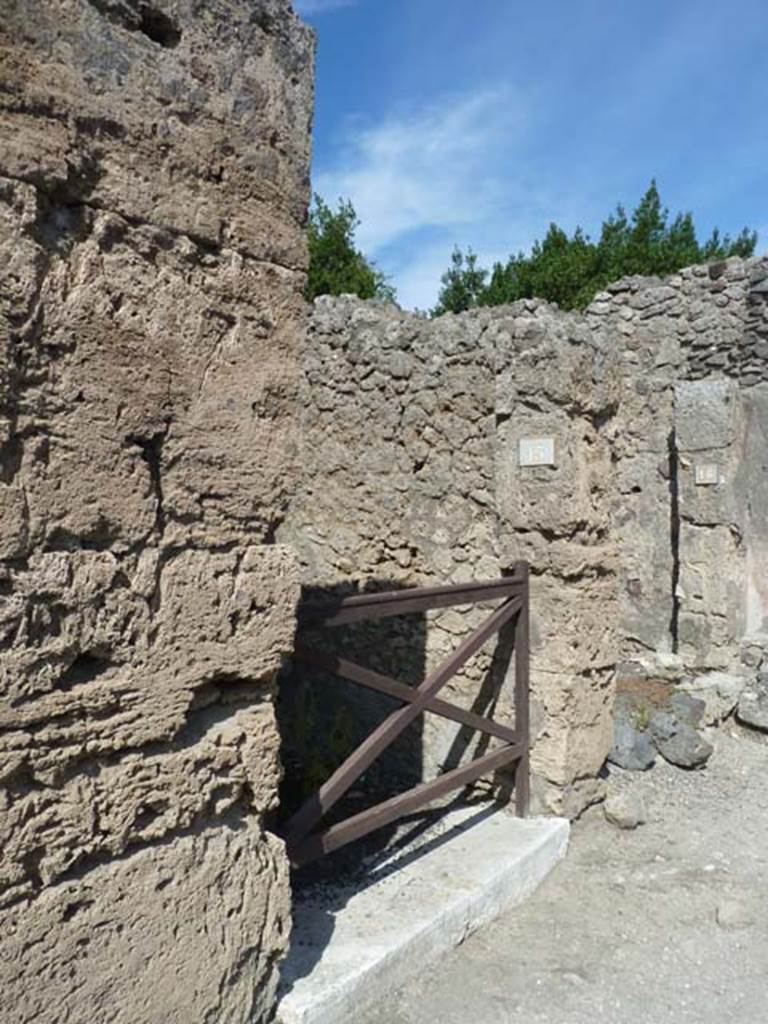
column 412, row 475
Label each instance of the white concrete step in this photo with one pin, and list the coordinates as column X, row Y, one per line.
column 352, row 947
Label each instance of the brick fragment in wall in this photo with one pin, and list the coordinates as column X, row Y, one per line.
column 153, row 192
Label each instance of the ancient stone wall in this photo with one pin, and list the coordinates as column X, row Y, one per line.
column 692, row 458
column 412, row 474
column 411, row 430
column 557, row 380
column 153, row 188
column 398, row 426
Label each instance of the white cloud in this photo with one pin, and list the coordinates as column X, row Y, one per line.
column 457, row 172
column 430, row 169
column 320, row 6
column 417, row 280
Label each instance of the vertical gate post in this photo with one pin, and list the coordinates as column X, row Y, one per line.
column 522, row 695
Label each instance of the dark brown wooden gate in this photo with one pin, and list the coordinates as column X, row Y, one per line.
column 512, row 592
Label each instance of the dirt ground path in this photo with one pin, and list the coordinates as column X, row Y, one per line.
column 666, row 924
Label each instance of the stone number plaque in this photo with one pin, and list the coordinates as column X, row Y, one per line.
column 537, row 451
column 705, row 474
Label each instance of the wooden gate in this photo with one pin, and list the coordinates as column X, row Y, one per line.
column 512, row 593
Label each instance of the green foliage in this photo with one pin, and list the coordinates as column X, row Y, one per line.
column 570, row 271
column 463, row 284
column 336, row 266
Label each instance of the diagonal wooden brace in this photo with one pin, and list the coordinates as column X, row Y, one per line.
column 407, row 694
column 344, row 832
column 304, row 820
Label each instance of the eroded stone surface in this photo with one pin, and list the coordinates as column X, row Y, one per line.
column 625, row 810
column 752, row 708
column 411, row 476
column 720, row 693
column 153, row 187
column 156, row 936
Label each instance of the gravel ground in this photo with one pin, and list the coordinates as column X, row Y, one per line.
column 666, row 923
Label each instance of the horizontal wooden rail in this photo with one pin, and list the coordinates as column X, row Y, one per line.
column 385, row 603
column 384, row 813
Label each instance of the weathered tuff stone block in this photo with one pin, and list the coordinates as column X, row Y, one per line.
column 751, row 494
column 109, row 740
column 711, row 444
column 643, row 527
column 153, row 188
column 555, row 380
column 154, row 937
column 215, row 149
column 704, row 415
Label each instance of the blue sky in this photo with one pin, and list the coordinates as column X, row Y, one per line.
column 477, row 122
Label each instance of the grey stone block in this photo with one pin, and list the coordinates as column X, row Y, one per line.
column 632, row 747
column 720, row 693
column 703, row 412
column 686, row 749
column 753, row 704
column 625, row 810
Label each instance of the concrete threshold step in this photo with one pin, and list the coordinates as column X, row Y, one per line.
column 352, row 945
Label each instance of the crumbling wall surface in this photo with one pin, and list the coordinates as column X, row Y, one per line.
column 153, row 184
column 640, row 318
column 397, row 491
column 711, row 584
column 558, row 380
column 751, row 485
column 694, row 356
column 411, row 476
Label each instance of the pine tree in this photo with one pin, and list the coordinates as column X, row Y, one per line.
column 336, row 266
column 571, row 270
column 462, row 284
